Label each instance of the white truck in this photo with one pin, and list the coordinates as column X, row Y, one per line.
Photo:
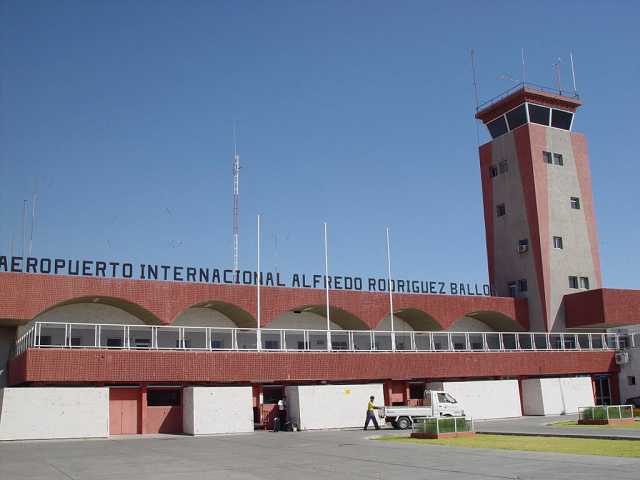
column 436, row 403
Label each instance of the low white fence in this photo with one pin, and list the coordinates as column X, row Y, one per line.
column 156, row 337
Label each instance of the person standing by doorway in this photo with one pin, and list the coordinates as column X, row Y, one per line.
column 282, row 412
column 371, row 414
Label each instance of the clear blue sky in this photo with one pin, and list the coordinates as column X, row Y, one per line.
column 119, row 115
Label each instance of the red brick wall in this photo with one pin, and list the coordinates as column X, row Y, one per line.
column 606, row 306
column 127, row 366
column 24, row 296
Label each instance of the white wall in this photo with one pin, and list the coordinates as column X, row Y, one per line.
column 556, row 396
column 32, row 413
column 630, row 369
column 210, row 410
column 315, row 407
column 484, row 398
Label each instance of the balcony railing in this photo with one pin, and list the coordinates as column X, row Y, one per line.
column 151, row 337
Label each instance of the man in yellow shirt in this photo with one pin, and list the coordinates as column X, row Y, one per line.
column 371, row 414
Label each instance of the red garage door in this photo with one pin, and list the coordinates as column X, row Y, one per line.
column 124, row 408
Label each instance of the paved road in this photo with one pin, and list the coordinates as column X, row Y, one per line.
column 538, row 425
column 332, row 455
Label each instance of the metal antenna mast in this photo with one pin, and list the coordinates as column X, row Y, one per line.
column 236, row 201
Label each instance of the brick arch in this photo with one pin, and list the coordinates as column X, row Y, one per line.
column 417, row 319
column 340, row 316
column 498, row 321
column 236, row 314
column 131, row 308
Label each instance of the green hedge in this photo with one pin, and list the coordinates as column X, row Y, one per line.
column 445, row 425
column 600, row 413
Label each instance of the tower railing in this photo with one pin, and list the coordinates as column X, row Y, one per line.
column 533, row 86
column 200, row 338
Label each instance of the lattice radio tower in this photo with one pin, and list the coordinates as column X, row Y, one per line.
column 236, row 201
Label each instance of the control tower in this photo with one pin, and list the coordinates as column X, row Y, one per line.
column 538, row 203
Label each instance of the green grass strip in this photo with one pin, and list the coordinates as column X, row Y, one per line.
column 578, row 446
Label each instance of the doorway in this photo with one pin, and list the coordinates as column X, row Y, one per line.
column 124, row 411
column 603, row 389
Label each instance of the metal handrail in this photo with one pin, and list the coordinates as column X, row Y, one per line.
column 533, row 86
column 198, row 338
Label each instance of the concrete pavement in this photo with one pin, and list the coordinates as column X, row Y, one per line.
column 307, row 455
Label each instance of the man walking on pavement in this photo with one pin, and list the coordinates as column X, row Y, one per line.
column 371, row 415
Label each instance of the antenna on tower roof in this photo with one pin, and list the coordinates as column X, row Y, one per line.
column 524, row 69
column 472, row 54
column 573, row 74
column 556, row 67
column 236, row 200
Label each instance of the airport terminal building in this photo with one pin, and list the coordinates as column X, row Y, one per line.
column 91, row 348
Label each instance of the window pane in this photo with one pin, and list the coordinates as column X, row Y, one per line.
column 561, row 119
column 517, row 117
column 538, row 114
column 557, row 159
column 573, row 282
column 546, row 157
column 504, row 166
column 575, row 203
column 497, row 127
column 161, row 398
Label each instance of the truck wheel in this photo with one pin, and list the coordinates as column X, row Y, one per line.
column 403, row 423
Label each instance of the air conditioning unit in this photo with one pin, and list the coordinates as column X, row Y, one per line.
column 622, row 358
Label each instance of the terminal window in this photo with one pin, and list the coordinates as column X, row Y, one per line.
column 501, row 210
column 557, row 243
column 631, row 380
column 163, row 398
column 575, row 203
column 573, row 282
column 546, row 157
column 584, row 282
column 493, row 171
column 512, row 287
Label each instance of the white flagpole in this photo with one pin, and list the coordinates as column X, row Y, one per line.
column 393, row 333
column 326, row 285
column 259, row 279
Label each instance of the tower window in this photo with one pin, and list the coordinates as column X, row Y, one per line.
column 497, row 127
column 631, row 380
column 493, row 171
column 584, row 282
column 557, row 159
column 561, row 119
column 557, row 243
column 522, row 284
column 546, row 157
column 538, row 114
column 575, row 203
column 504, row 166
column 573, row 282
column 512, row 287
column 523, row 245
column 501, row 210
column 517, row 117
